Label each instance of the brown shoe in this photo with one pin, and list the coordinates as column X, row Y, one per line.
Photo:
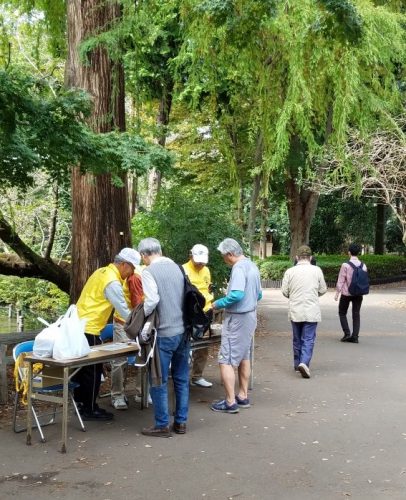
column 179, row 428
column 162, row 432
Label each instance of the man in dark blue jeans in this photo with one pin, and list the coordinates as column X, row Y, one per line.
column 163, row 286
column 343, row 282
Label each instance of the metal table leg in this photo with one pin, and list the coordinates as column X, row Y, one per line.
column 29, row 405
column 65, row 400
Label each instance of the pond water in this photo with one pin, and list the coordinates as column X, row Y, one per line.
column 8, row 325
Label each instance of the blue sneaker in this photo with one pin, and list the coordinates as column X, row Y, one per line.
column 242, row 403
column 224, row 407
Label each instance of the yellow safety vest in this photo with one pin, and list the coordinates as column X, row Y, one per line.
column 92, row 304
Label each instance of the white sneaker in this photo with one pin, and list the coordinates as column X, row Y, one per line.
column 201, row 382
column 119, row 403
column 137, row 399
column 304, row 370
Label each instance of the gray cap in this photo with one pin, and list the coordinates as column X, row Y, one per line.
column 304, row 251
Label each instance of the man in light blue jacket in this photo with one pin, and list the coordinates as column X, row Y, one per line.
column 240, row 321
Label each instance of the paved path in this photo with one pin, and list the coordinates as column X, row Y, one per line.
column 341, row 434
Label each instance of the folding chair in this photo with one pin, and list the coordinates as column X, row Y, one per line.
column 144, row 373
column 28, row 347
column 106, row 335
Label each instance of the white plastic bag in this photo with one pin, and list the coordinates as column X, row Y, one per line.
column 71, row 342
column 44, row 341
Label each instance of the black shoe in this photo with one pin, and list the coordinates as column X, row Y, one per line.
column 353, row 340
column 179, row 428
column 101, row 410
column 346, row 338
column 162, row 432
column 96, row 414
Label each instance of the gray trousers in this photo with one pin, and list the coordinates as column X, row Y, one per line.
column 119, row 367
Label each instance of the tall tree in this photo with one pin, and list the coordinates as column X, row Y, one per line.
column 302, row 72
column 152, row 34
column 99, row 208
column 42, row 129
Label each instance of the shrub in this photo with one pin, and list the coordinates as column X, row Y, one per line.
column 181, row 218
column 379, row 266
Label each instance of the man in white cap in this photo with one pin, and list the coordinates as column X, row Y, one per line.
column 102, row 293
column 134, row 295
column 199, row 275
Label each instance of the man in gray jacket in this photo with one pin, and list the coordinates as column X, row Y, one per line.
column 302, row 285
column 163, row 285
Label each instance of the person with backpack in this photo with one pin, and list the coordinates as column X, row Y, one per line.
column 352, row 284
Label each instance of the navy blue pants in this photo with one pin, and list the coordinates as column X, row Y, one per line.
column 304, row 335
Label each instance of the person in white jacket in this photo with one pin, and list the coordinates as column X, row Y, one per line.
column 302, row 285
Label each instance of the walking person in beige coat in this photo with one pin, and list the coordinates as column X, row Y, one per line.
column 302, row 285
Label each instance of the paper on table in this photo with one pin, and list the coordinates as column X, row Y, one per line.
column 111, row 347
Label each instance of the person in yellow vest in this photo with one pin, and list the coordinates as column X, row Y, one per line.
column 199, row 275
column 102, row 293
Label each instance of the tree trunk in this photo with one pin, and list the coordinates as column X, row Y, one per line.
column 100, row 212
column 302, row 205
column 380, row 229
column 154, row 176
column 54, row 221
column 259, row 149
column 253, row 212
column 264, row 228
column 134, row 202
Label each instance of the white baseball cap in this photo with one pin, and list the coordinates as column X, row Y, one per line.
column 200, row 254
column 130, row 255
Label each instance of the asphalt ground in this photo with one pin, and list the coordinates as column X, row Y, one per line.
column 340, row 434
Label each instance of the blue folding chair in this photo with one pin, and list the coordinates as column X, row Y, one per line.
column 27, row 346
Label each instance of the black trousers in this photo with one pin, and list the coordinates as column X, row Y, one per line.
column 343, row 305
column 89, row 378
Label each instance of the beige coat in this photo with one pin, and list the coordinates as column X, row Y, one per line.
column 302, row 285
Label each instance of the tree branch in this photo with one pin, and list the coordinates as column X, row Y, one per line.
column 31, row 264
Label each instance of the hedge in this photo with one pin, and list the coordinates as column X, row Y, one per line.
column 380, row 267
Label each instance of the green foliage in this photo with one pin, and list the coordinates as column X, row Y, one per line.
column 379, row 266
column 303, row 70
column 273, row 268
column 181, row 218
column 393, row 236
column 339, row 221
column 44, row 130
column 30, row 214
column 345, row 22
column 42, row 21
column 38, row 295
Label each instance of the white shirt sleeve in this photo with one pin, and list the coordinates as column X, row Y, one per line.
column 150, row 289
column 115, row 295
